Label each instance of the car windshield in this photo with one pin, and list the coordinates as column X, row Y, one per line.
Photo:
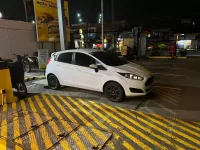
column 110, row 58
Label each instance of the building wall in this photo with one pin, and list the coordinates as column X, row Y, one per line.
column 17, row 37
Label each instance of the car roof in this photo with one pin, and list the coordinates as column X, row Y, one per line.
column 79, row 50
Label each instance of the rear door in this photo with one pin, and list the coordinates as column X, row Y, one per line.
column 65, row 68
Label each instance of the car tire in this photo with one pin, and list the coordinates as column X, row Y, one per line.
column 114, row 92
column 53, row 82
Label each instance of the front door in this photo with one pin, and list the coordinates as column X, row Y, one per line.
column 85, row 77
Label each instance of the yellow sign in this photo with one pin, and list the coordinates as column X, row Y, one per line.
column 47, row 20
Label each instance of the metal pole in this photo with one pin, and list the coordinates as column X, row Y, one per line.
column 25, row 9
column 113, row 40
column 102, row 24
column 62, row 26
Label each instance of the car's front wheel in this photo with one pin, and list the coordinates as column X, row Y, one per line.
column 53, row 82
column 114, row 92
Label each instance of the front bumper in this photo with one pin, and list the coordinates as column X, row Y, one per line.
column 139, row 88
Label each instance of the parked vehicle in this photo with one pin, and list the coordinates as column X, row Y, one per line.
column 17, row 75
column 98, row 71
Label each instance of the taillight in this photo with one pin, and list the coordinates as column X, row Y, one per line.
column 49, row 60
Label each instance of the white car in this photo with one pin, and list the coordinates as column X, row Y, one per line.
column 98, row 71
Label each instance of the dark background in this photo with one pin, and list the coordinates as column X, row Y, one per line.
column 154, row 12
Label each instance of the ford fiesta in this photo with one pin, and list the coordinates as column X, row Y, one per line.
column 98, row 71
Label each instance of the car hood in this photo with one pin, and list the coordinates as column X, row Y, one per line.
column 132, row 68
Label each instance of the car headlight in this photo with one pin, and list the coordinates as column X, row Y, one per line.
column 132, row 76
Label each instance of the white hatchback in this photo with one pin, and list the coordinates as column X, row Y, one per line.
column 98, row 71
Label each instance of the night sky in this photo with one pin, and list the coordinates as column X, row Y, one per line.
column 124, row 9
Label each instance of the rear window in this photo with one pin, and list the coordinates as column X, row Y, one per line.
column 65, row 58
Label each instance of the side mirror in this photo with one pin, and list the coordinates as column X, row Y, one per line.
column 95, row 67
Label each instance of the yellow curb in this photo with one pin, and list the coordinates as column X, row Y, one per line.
column 42, row 77
column 166, row 57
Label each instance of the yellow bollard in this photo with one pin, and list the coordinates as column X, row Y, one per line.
column 6, row 92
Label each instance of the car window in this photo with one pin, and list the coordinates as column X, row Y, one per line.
column 109, row 58
column 84, row 60
column 65, row 58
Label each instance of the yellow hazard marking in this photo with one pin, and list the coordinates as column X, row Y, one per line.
column 131, row 137
column 63, row 143
column 31, row 135
column 3, row 143
column 86, row 134
column 100, row 134
column 100, row 124
column 43, row 130
column 173, row 130
column 130, row 127
column 187, row 124
column 17, row 127
column 75, row 137
column 111, row 145
column 178, row 126
column 197, row 123
column 154, row 127
column 5, row 107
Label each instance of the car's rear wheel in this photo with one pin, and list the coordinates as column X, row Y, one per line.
column 53, row 82
column 114, row 92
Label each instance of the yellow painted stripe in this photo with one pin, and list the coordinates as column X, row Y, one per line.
column 31, row 135
column 197, row 123
column 100, row 134
column 131, row 137
column 173, row 130
column 66, row 113
column 84, row 132
column 179, row 126
column 16, row 126
column 130, row 127
column 156, row 128
column 100, row 124
column 39, row 121
column 5, row 107
column 3, row 143
column 187, row 124
column 63, row 143
column 4, row 129
column 76, row 138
